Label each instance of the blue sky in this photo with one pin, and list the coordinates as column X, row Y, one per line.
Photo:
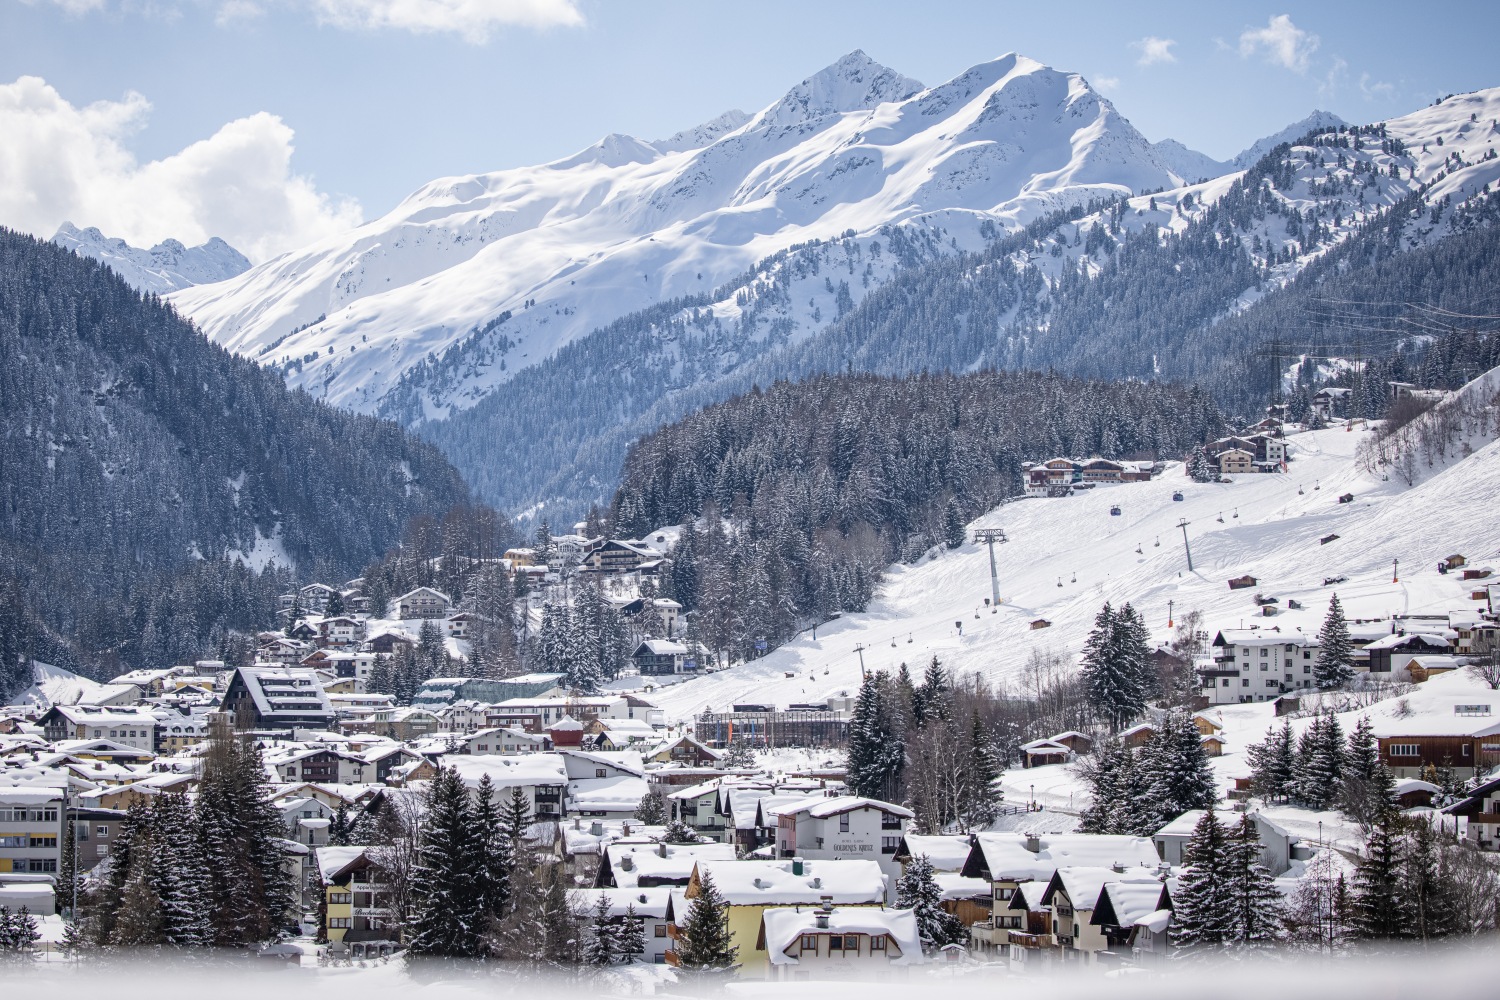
column 350, row 104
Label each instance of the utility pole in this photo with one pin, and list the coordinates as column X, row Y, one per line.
column 1395, row 565
column 1169, row 613
column 1183, row 524
column 860, row 649
column 990, row 536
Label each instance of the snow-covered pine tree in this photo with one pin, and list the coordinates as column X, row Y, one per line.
column 1111, row 682
column 1260, row 918
column 652, row 809
column 740, row 755
column 515, row 818
column 704, row 941
column 493, row 870
column 1200, row 468
column 1361, row 762
column 679, row 832
column 1334, row 667
column 917, row 890
column 137, row 917
column 873, row 768
column 1107, row 772
column 981, row 796
column 341, row 827
column 602, row 947
column 1204, row 915
column 178, row 873
column 1133, row 646
column 19, row 933
column 955, row 529
column 1379, row 902
column 632, row 938
column 561, row 923
column 447, row 918
column 1183, row 776
column 1321, row 759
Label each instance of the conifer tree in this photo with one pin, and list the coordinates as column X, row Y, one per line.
column 704, row 942
column 1380, row 906
column 1204, row 913
column 341, row 827
column 955, row 530
column 447, row 916
column 1260, row 918
column 1334, row 667
column 515, row 818
column 652, row 809
column 603, row 946
column 632, row 938
column 875, row 754
column 495, row 854
column 1111, row 675
column 178, row 873
column 1273, row 763
column 917, row 890
column 1182, row 778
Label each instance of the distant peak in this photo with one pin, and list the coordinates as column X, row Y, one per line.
column 702, row 135
column 854, row 83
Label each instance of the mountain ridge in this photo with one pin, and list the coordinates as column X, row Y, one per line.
column 166, row 267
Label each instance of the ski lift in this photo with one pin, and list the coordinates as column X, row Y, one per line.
column 1059, row 581
column 1220, row 518
column 1236, row 512
column 1075, row 578
column 908, row 637
column 1177, row 496
column 1317, row 485
column 893, row 642
column 1158, row 541
column 1138, row 549
column 1114, row 511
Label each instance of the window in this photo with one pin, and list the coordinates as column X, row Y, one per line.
column 102, row 850
column 337, row 898
column 13, row 840
column 890, row 821
column 1264, row 665
column 851, row 943
column 598, row 772
column 338, row 922
column 44, row 841
column 42, row 865
column 843, row 823
column 877, row 944
column 888, row 845
column 1226, row 681
column 102, row 829
column 1245, row 682
column 1004, row 893
column 661, row 930
column 809, row 942
column 1406, row 749
column 1306, row 669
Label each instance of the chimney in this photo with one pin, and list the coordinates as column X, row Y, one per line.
column 821, row 916
column 1117, row 868
column 758, row 883
column 627, row 863
column 661, row 849
column 798, row 866
column 817, row 883
column 1033, row 843
column 625, row 829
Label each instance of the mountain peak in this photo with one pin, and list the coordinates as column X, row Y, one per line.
column 166, row 267
column 854, row 83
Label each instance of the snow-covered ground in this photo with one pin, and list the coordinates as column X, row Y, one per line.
column 1066, row 557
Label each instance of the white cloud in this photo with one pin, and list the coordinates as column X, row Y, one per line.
column 65, row 163
column 473, row 20
column 1282, row 42
column 1154, row 50
column 1107, row 83
column 1375, row 89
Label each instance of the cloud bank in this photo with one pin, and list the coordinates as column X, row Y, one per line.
column 1154, row 50
column 1281, row 42
column 63, row 163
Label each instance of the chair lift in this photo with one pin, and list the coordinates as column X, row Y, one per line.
column 1236, row 512
column 1220, row 518
column 1299, row 489
column 1059, row 581
column 1138, row 549
column 1158, row 542
column 1075, row 578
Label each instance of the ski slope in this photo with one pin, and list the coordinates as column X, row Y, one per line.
column 1076, row 542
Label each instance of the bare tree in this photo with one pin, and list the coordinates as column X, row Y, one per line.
column 1486, row 665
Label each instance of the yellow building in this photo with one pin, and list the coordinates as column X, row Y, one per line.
column 357, row 919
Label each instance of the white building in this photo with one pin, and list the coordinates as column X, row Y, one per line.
column 31, row 828
column 832, row 942
column 844, row 827
column 1251, row 665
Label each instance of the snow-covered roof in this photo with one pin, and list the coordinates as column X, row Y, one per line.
column 662, row 647
column 1084, row 883
column 661, row 861
column 619, row 793
column 510, row 771
column 1007, row 857
column 651, row 902
column 823, row 807
column 1156, row 921
column 332, row 860
column 773, row 883
column 1132, row 899
column 1411, row 638
column 955, row 886
column 947, row 852
column 784, row 926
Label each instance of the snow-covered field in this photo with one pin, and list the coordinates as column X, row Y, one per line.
column 1268, row 526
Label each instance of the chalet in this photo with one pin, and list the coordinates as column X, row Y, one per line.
column 617, row 556
column 1468, row 740
column 1242, row 582
column 752, row 887
column 648, row 904
column 1134, row 914
column 687, row 750
column 386, row 643
column 277, row 698
column 837, row 942
column 821, row 828
column 1329, row 402
column 131, row 727
column 1482, row 810
column 1138, row 735
column 424, row 603
column 633, row 864
column 506, row 741
column 1236, row 461
column 1040, row 623
column 322, row 765
column 657, row 657
column 542, row 778
column 359, row 920
column 1074, row 893
column 1040, row 752
column 1391, row 654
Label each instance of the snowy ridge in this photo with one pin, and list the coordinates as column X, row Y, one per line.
column 518, row 263
column 166, row 267
column 1271, row 528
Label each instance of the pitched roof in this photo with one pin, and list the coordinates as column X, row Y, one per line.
column 784, row 926
column 773, row 883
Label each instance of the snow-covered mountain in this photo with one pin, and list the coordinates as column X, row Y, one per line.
column 510, row 266
column 1317, row 121
column 166, row 267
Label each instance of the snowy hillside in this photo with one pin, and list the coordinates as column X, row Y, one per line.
column 1066, row 557
column 515, row 264
column 1316, row 121
column 166, row 267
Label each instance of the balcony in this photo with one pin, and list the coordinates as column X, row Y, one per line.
column 1023, row 939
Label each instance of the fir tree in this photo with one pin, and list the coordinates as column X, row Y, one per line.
column 341, row 827
column 1204, row 913
column 1110, row 679
column 955, row 529
column 1379, row 900
column 1273, row 764
column 917, row 890
column 1260, row 917
column 448, row 917
column 179, row 873
column 632, row 939
column 652, row 809
column 679, row 832
column 1182, row 778
column 603, row 946
column 1334, row 667
column 875, row 756
column 704, row 941
column 515, row 818
column 496, row 854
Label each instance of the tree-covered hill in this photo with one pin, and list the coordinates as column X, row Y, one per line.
column 137, row 458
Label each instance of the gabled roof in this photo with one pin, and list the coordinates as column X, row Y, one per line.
column 1125, row 902
column 781, row 927
column 1005, row 856
column 1084, row 883
column 773, row 883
